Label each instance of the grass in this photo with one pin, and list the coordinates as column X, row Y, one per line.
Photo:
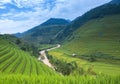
column 45, row 46
column 15, row 61
column 47, row 79
column 99, row 67
column 18, row 67
column 98, row 35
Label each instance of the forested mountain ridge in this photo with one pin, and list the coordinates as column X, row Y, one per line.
column 45, row 32
column 110, row 8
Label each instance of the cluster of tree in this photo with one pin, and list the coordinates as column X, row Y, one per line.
column 97, row 56
column 90, row 58
column 81, row 71
column 30, row 48
column 71, row 68
column 27, row 47
column 21, row 44
column 63, row 67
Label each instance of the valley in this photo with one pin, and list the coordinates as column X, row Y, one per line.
column 85, row 50
column 97, row 46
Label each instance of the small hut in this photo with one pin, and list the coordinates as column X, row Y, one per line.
column 73, row 54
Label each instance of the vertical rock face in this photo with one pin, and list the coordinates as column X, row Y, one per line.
column 115, row 2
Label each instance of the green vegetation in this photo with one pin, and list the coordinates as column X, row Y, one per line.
column 18, row 67
column 45, row 32
column 62, row 66
column 99, row 67
column 96, row 13
column 26, row 46
column 15, row 61
column 46, row 46
column 95, row 43
column 97, row 36
column 33, row 79
column 90, row 53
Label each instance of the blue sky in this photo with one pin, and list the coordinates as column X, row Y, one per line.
column 21, row 15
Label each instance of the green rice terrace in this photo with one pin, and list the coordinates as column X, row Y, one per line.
column 18, row 67
column 63, row 49
column 14, row 60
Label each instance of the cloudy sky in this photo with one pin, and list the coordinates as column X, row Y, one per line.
column 21, row 15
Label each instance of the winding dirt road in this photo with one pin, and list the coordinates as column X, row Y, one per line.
column 43, row 56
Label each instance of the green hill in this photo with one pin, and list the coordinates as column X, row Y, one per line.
column 18, row 67
column 45, row 32
column 95, row 43
column 98, row 35
column 94, row 39
column 96, row 13
column 90, row 50
column 24, row 45
column 42, row 35
column 15, row 61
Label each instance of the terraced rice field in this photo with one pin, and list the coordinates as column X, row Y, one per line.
column 14, row 60
column 18, row 67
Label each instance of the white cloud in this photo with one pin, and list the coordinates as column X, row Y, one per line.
column 12, row 26
column 5, row 1
column 15, row 21
column 74, row 8
column 27, row 3
column 2, row 7
column 19, row 22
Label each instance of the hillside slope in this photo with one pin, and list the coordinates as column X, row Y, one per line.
column 15, row 61
column 98, row 35
column 95, row 43
column 45, row 32
column 110, row 8
column 25, row 46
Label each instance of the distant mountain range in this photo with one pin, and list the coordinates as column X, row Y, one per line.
column 57, row 30
column 96, row 34
column 44, row 32
column 55, row 21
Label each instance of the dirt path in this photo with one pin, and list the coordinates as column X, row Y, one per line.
column 43, row 56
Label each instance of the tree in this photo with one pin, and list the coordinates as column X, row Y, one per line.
column 18, row 41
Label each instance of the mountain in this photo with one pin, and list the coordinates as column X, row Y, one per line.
column 115, row 2
column 55, row 21
column 98, row 37
column 94, row 35
column 93, row 38
column 97, row 43
column 45, row 32
column 96, row 13
column 17, row 34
